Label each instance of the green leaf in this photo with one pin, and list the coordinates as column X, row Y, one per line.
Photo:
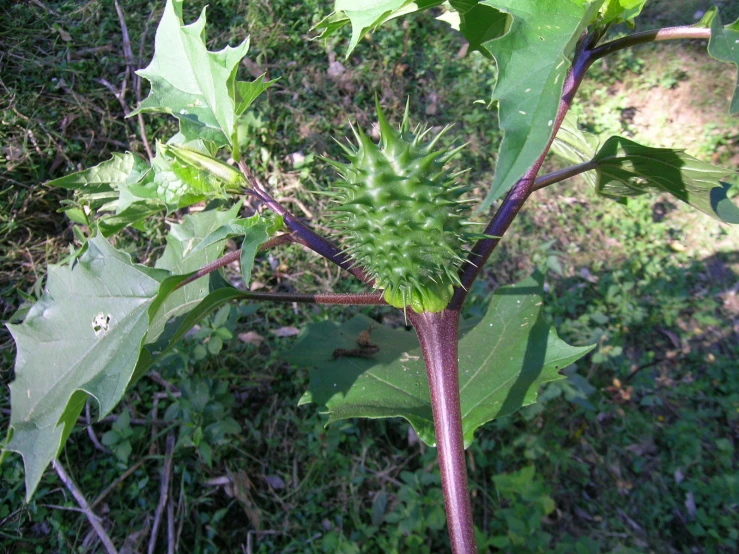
column 120, row 169
column 123, row 185
column 724, row 46
column 199, row 240
column 330, row 24
column 477, row 22
column 533, row 59
column 256, row 230
column 512, row 329
column 176, row 329
column 575, row 146
column 367, row 15
column 626, row 168
column 614, row 12
column 109, row 186
column 83, row 337
column 190, row 82
column 182, row 257
column 503, row 359
column 247, row 92
column 137, row 212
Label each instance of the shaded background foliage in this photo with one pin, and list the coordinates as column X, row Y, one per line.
column 634, row 452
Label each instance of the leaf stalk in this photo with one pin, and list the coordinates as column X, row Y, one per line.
column 301, row 232
column 563, row 174
column 654, row 35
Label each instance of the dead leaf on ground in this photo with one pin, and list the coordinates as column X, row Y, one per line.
column 251, row 337
column 690, row 504
column 237, row 485
column 256, row 285
column 286, row 331
column 679, row 477
column 672, row 336
column 643, row 448
column 366, row 349
column 275, row 481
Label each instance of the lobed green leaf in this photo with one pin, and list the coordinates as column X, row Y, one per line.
column 115, row 172
column 194, row 84
column 626, row 168
column 504, row 358
column 533, row 59
column 82, row 338
column 614, row 12
column 367, row 15
column 182, row 256
column 724, row 46
column 575, row 146
column 477, row 22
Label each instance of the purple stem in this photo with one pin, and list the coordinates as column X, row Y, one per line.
column 655, row 35
column 563, row 174
column 438, row 334
column 348, row 299
column 302, row 233
column 231, row 257
column 520, row 192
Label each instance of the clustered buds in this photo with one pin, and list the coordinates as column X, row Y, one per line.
column 400, row 215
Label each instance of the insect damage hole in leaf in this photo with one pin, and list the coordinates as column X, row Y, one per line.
column 100, row 324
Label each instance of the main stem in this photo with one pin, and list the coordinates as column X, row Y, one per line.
column 438, row 334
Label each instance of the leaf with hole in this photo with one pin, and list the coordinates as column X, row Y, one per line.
column 82, row 338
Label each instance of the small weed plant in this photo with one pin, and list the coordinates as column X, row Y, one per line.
column 399, row 221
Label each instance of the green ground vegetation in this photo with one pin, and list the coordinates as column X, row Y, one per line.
column 634, row 452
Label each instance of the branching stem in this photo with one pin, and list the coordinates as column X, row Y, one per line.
column 362, row 299
column 231, row 257
column 520, row 192
column 563, row 174
column 301, row 232
column 655, row 35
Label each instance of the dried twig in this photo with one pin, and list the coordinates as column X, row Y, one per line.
column 91, row 431
column 131, row 74
column 163, row 492
column 127, row 52
column 45, row 7
column 117, row 93
column 137, row 86
column 80, row 498
column 170, row 526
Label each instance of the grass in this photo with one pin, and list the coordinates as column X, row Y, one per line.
column 635, row 452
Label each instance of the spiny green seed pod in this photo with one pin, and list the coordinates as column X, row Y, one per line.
column 400, row 216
